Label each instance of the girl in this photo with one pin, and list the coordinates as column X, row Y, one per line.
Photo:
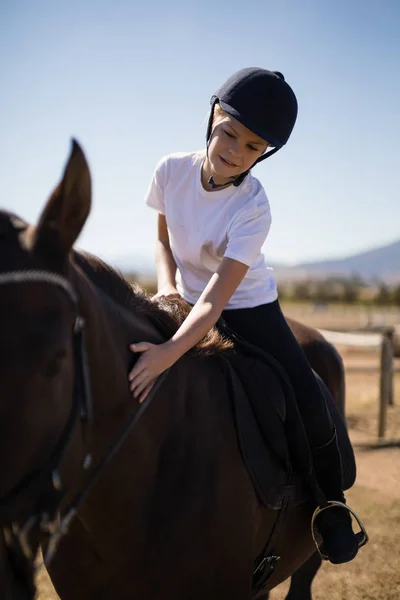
column 213, row 218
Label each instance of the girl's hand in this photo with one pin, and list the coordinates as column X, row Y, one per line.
column 167, row 291
column 154, row 360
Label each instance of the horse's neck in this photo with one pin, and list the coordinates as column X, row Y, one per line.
column 124, row 325
column 109, row 331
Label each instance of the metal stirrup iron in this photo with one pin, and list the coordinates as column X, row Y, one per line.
column 362, row 535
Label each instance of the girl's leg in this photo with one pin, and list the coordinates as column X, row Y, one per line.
column 266, row 327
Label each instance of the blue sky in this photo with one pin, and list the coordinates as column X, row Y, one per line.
column 132, row 81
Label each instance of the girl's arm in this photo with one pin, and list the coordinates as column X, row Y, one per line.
column 205, row 313
column 165, row 263
column 208, row 308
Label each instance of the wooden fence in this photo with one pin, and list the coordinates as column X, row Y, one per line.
column 382, row 341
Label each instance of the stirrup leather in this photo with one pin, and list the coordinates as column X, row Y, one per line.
column 362, row 535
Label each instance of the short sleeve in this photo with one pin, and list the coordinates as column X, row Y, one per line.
column 248, row 232
column 155, row 194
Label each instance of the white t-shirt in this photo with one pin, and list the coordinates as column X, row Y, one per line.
column 205, row 226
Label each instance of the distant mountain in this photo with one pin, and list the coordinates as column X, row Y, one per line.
column 381, row 263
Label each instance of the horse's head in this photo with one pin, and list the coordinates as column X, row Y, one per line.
column 38, row 380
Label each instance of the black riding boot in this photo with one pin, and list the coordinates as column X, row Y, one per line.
column 339, row 542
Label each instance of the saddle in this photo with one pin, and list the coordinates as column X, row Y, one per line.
column 270, row 431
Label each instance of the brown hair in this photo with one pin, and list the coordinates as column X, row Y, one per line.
column 219, row 113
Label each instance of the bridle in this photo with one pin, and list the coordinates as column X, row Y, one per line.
column 48, row 475
column 51, row 523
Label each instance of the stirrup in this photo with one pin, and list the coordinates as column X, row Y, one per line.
column 362, row 535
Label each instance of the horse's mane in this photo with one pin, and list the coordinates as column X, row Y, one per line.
column 165, row 315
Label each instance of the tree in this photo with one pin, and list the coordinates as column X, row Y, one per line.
column 383, row 295
column 396, row 295
column 351, row 290
column 301, row 290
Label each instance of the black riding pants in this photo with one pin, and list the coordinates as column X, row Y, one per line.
column 266, row 327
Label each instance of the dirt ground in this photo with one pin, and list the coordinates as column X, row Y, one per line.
column 375, row 574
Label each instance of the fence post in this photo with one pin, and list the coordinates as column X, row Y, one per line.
column 386, row 380
column 390, row 335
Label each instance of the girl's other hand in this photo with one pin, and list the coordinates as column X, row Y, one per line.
column 167, row 291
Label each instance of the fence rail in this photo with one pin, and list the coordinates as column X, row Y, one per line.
column 383, row 341
column 366, row 340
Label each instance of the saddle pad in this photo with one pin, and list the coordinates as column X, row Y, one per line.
column 266, row 461
column 270, row 431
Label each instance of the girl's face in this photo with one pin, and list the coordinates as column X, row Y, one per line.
column 233, row 149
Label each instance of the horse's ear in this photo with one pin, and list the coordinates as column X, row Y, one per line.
column 68, row 207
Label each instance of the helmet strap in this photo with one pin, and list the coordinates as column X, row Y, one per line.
column 240, row 178
column 266, row 155
column 210, row 123
column 216, row 186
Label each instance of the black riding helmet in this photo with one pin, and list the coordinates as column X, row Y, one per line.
column 263, row 102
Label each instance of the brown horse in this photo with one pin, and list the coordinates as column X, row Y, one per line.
column 146, row 502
